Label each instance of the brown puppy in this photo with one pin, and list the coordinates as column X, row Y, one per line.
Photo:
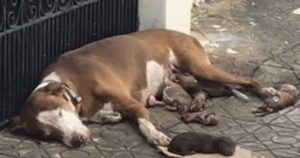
column 174, row 94
column 191, row 142
column 198, row 103
column 191, row 85
column 177, row 99
column 205, row 118
column 277, row 100
column 174, row 97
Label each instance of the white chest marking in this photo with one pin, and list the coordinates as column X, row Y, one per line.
column 155, row 74
column 53, row 76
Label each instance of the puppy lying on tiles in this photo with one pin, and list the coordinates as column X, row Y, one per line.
column 201, row 90
column 277, row 99
column 188, row 97
column 199, row 145
column 189, row 143
column 202, row 117
column 173, row 97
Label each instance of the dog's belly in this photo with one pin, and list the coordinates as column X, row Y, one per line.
column 155, row 76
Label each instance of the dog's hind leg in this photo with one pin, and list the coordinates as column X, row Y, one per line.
column 197, row 64
column 191, row 57
column 212, row 73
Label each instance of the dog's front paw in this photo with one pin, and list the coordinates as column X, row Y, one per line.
column 152, row 134
column 160, row 139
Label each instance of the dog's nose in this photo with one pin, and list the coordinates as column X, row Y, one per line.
column 78, row 140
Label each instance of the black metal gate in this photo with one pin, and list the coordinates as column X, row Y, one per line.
column 34, row 32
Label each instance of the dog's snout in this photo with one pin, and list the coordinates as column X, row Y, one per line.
column 79, row 140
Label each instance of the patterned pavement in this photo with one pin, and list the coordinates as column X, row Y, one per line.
column 257, row 38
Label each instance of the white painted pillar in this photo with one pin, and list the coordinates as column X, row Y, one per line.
column 170, row 14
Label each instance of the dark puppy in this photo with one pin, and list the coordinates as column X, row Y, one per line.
column 191, row 142
column 186, row 81
column 277, row 100
column 193, row 86
column 203, row 89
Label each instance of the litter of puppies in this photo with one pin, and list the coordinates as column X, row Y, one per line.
column 187, row 95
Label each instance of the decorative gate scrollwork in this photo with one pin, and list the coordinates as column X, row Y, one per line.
column 18, row 12
column 34, row 32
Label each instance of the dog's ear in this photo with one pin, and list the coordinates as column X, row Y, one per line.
column 55, row 88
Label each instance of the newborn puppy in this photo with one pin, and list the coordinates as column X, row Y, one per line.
column 198, row 103
column 177, row 99
column 286, row 96
column 213, row 89
column 191, row 142
column 203, row 89
column 174, row 97
column 173, row 94
column 191, row 85
column 186, row 81
column 205, row 118
column 277, row 100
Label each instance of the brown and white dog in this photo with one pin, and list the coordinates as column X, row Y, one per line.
column 111, row 79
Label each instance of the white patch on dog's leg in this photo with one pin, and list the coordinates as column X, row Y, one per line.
column 152, row 134
column 106, row 115
column 112, row 117
column 239, row 94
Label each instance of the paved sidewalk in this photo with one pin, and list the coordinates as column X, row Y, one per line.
column 258, row 38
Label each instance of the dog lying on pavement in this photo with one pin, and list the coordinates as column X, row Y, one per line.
column 115, row 76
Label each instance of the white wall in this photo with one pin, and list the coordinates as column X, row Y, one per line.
column 170, row 14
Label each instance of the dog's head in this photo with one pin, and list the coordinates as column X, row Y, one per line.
column 50, row 113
